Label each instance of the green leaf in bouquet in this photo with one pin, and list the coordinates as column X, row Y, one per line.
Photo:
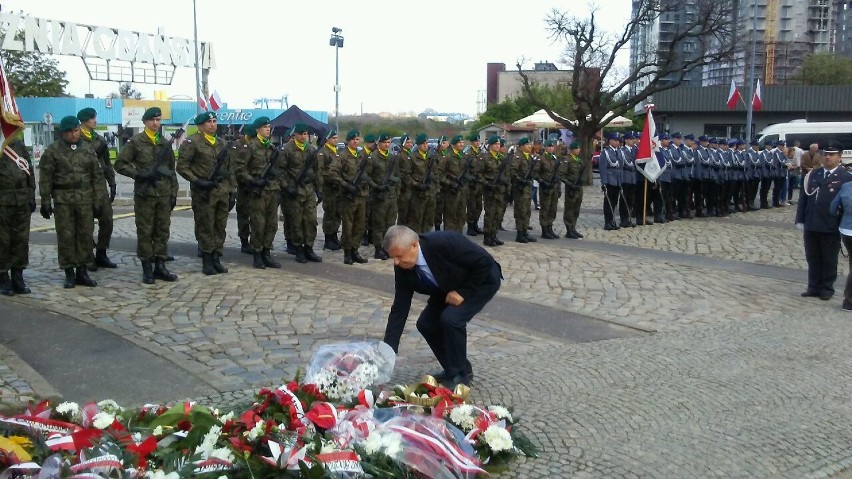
column 314, row 471
column 177, row 413
column 522, row 442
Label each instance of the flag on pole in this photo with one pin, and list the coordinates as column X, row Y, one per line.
column 203, row 104
column 10, row 120
column 215, row 101
column 647, row 161
column 757, row 101
column 733, row 95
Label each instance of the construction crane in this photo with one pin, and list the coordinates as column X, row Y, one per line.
column 770, row 39
column 264, row 102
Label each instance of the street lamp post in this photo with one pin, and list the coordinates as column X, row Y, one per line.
column 336, row 41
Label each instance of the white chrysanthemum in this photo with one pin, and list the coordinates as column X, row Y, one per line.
column 110, row 406
column 497, row 438
column 227, row 417
column 208, row 443
column 158, row 431
column 222, row 453
column 462, row 416
column 103, row 420
column 373, row 443
column 501, row 412
column 159, row 474
column 69, row 408
column 392, row 444
column 257, row 431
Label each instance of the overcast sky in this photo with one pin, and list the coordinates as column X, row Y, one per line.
column 397, row 56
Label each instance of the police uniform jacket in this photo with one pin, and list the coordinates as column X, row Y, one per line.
column 818, row 191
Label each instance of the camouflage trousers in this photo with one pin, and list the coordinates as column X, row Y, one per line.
column 573, row 200
column 436, row 207
column 384, row 216
column 421, row 211
column 331, row 199
column 548, row 201
column 474, row 202
column 494, row 202
column 105, row 225
column 153, row 224
column 522, row 199
column 264, row 219
column 302, row 218
column 352, row 215
column 14, row 236
column 210, row 210
column 455, row 211
column 75, row 224
column 402, row 205
column 243, row 212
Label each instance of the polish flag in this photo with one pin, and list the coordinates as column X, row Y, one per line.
column 215, row 101
column 203, row 104
column 757, row 101
column 647, row 161
column 733, row 95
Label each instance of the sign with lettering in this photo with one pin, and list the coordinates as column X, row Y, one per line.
column 56, row 37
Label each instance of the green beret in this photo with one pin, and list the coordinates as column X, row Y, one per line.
column 68, row 123
column 523, row 141
column 259, row 122
column 352, row 134
column 404, row 138
column 502, row 142
column 331, row 134
column 574, row 145
column 369, row 138
column 152, row 112
column 202, row 118
column 442, row 138
column 249, row 130
column 384, row 137
column 493, row 139
column 473, row 137
column 421, row 138
column 86, row 114
column 456, row 139
column 549, row 143
column 300, row 128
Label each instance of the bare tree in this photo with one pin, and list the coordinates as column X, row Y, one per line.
column 599, row 86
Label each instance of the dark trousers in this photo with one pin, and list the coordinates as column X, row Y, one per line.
column 765, row 185
column 777, row 183
column 444, row 327
column 821, row 250
column 626, row 206
column 847, row 292
column 610, row 202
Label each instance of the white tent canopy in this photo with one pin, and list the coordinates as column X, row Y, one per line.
column 541, row 119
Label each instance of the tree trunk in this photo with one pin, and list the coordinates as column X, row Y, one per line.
column 586, row 137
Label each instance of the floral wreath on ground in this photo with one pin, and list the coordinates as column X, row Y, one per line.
column 340, row 422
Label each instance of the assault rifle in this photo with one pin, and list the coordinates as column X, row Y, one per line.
column 575, row 185
column 498, row 180
column 158, row 169
column 528, row 176
column 427, row 177
column 269, row 172
column 312, row 160
column 217, row 175
column 386, row 181
column 554, row 177
column 465, row 175
column 359, row 177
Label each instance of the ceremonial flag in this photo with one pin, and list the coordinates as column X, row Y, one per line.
column 10, row 120
column 215, row 101
column 733, row 95
column 646, row 158
column 757, row 101
column 203, row 104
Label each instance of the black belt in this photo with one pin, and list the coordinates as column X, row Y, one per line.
column 71, row 186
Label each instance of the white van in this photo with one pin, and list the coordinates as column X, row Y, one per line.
column 809, row 133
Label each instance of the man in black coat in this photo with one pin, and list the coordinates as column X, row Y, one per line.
column 821, row 235
column 459, row 277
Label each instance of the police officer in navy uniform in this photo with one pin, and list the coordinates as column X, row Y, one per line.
column 609, row 167
column 752, row 174
column 821, row 235
column 628, row 181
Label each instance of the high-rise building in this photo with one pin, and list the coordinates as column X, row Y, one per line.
column 843, row 28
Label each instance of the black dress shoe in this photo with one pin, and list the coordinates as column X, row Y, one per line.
column 440, row 375
column 460, row 379
column 809, row 294
column 826, row 296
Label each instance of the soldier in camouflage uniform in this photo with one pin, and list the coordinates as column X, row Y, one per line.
column 330, row 192
column 301, row 183
column 351, row 171
column 493, row 168
column 205, row 161
column 423, row 168
column 258, row 171
column 71, row 181
column 17, row 202
column 404, row 161
column 524, row 166
column 451, row 172
column 244, row 195
column 571, row 172
column 384, row 173
column 88, row 121
column 154, row 194
column 435, row 202
column 474, row 188
column 367, row 150
column 549, row 189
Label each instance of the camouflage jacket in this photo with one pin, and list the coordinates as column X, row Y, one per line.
column 325, row 158
column 489, row 167
column 569, row 170
column 99, row 145
column 345, row 169
column 547, row 164
column 16, row 186
column 379, row 165
column 253, row 158
column 139, row 155
column 297, row 160
column 420, row 165
column 451, row 169
column 197, row 159
column 71, row 174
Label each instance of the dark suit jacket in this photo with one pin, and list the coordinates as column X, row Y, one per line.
column 457, row 263
column 813, row 210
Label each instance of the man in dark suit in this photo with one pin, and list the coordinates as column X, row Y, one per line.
column 821, row 235
column 459, row 277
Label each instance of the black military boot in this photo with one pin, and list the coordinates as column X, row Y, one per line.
column 258, row 260
column 336, row 246
column 160, row 271
column 477, row 228
column 521, row 237
column 347, row 256
column 217, row 263
column 659, row 219
column 291, row 248
column 328, row 245
column 577, row 233
column 70, row 280
column 83, row 278
column 6, row 284
column 496, row 240
column 207, row 264
column 365, row 240
column 488, row 241
column 245, row 247
column 471, row 229
column 102, row 260
column 380, row 254
column 300, row 255
column 610, row 226
column 266, row 254
column 311, row 256
column 147, row 272
column 356, row 256
column 18, row 285
column 529, row 238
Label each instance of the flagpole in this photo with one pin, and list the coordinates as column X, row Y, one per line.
column 645, row 204
column 750, row 105
column 197, row 64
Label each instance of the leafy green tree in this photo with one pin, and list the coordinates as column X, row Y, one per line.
column 511, row 110
column 825, row 69
column 34, row 74
column 126, row 91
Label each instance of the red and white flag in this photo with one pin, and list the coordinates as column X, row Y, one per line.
column 203, row 104
column 757, row 101
column 647, row 161
column 215, row 101
column 10, row 120
column 733, row 95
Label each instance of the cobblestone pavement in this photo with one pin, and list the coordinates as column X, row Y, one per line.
column 743, row 378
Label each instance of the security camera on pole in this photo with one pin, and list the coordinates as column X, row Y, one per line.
column 336, row 41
